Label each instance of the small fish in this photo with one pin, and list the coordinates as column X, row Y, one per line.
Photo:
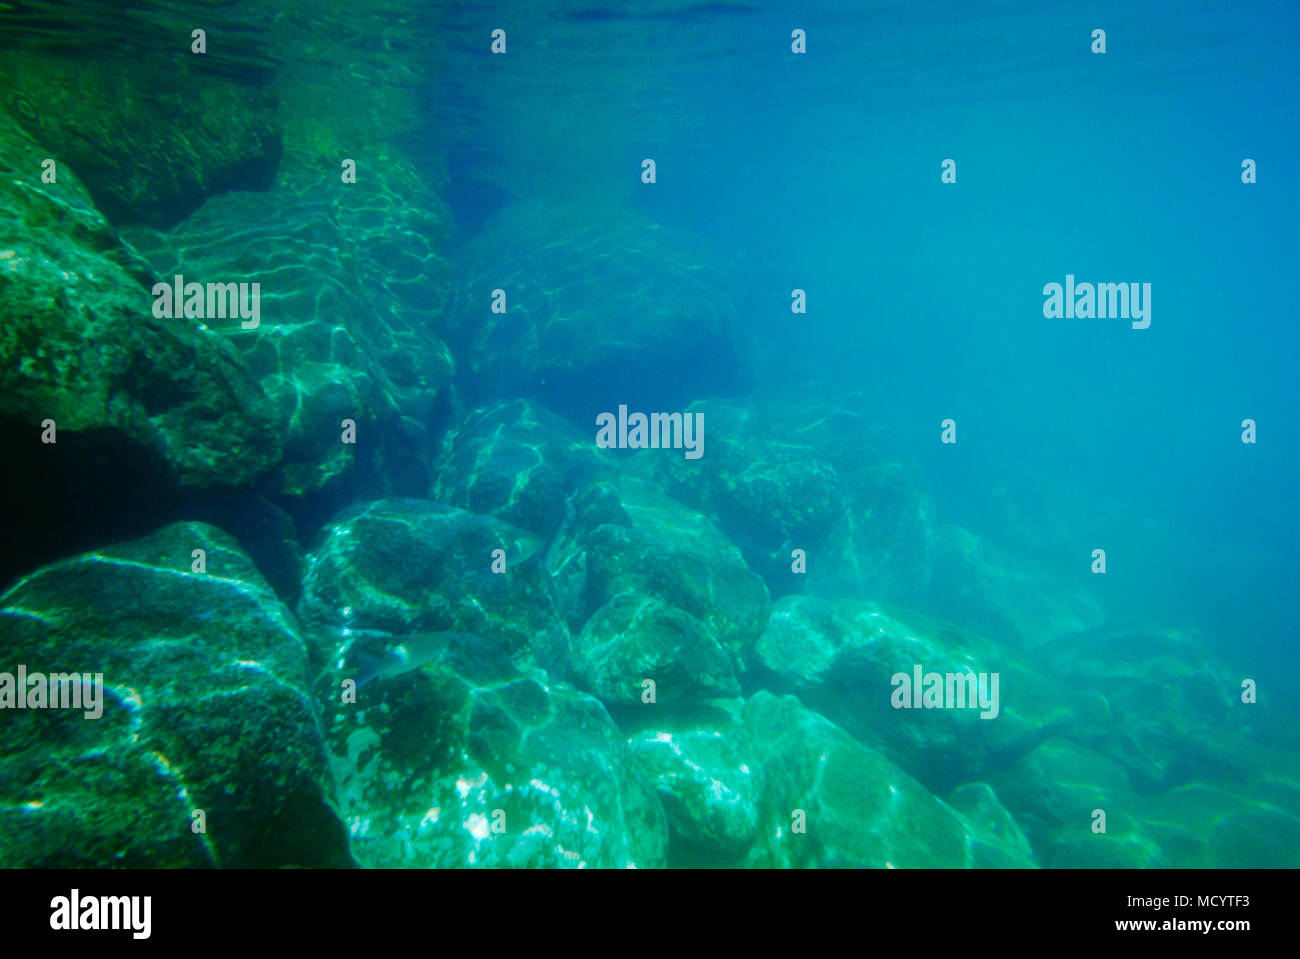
column 411, row 652
column 579, row 478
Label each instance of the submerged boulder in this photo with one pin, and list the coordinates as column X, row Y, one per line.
column 1062, row 790
column 115, row 415
column 1174, row 706
column 349, row 276
column 976, row 582
column 408, row 566
column 79, row 343
column 148, row 152
column 816, row 477
column 841, row 657
column 467, row 760
column 705, row 770
column 602, row 308
column 635, row 639
column 207, row 716
column 1055, row 792
column 519, row 462
column 832, row 802
column 676, row 555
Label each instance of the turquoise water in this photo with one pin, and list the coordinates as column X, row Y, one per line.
column 504, row 719
column 822, row 172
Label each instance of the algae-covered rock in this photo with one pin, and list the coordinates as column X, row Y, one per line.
column 1054, row 793
column 601, row 307
column 704, row 769
column 349, row 277
column 999, row 840
column 841, row 657
column 148, row 152
column 975, row 582
column 468, row 761
column 675, row 554
column 79, row 345
column 516, row 461
column 1221, row 829
column 1176, row 710
column 206, row 705
column 1060, row 788
column 879, row 546
column 811, row 476
column 1062, row 782
column 409, row 566
column 634, row 639
column 832, row 802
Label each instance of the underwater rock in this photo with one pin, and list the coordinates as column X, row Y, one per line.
column 1061, row 785
column 1174, row 706
column 410, row 566
column 1202, row 826
column 781, row 476
column 264, row 531
column 705, row 772
column 146, row 410
column 601, row 308
column 79, row 343
column 767, row 481
column 349, row 279
column 516, row 461
column 879, row 546
column 592, row 504
column 675, row 554
column 206, row 705
column 1061, row 782
column 1053, row 793
column 841, row 656
column 975, row 582
column 469, row 761
column 394, row 231
column 979, row 804
column 634, row 638
column 858, row 809
column 147, row 152
column 1058, row 789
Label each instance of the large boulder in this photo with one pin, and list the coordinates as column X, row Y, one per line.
column 660, row 548
column 519, row 462
column 634, row 639
column 832, row 802
column 1175, row 708
column 976, row 582
column 707, row 775
column 466, row 760
column 841, row 658
column 79, row 343
column 813, row 476
column 1058, row 791
column 602, row 307
column 350, row 277
column 408, row 566
column 149, row 152
column 147, row 411
column 206, row 705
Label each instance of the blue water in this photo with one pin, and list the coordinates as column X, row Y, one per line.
column 822, row 172
column 776, row 172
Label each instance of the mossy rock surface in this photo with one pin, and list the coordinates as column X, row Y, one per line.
column 206, row 706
